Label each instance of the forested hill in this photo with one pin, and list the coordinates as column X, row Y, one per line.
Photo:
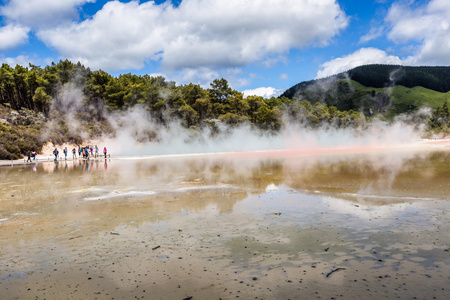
column 386, row 89
column 381, row 76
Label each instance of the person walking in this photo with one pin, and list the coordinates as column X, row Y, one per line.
column 65, row 153
column 96, row 151
column 55, row 153
column 105, row 151
column 74, row 153
column 29, row 156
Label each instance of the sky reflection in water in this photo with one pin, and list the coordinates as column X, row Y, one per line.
column 244, row 213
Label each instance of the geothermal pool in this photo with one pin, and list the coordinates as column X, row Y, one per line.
column 250, row 226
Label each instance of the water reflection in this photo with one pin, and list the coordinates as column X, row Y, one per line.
column 83, row 165
column 243, row 215
column 376, row 179
column 420, row 175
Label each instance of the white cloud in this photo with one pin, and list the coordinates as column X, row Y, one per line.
column 271, row 61
column 434, row 51
column 375, row 32
column 41, row 13
column 360, row 57
column 429, row 25
column 201, row 75
column 425, row 29
column 120, row 36
column 12, row 36
column 197, row 34
column 284, row 76
column 266, row 92
column 21, row 60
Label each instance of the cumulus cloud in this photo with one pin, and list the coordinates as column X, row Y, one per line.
column 196, row 34
column 12, row 36
column 434, row 51
column 425, row 27
column 363, row 56
column 428, row 25
column 39, row 13
column 202, row 75
column 21, row 60
column 266, row 92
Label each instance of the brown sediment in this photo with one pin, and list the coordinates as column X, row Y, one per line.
column 213, row 229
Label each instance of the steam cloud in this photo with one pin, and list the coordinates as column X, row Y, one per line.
column 135, row 125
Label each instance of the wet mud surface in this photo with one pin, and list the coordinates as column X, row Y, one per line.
column 372, row 226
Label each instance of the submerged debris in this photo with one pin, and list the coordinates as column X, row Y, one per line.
column 335, row 270
column 275, row 213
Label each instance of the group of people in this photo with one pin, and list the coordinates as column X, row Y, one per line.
column 86, row 151
column 31, row 154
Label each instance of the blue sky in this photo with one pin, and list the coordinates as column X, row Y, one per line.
column 260, row 46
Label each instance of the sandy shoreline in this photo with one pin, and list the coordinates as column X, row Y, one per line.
column 427, row 144
column 47, row 155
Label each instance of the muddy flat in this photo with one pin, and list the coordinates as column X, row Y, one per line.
column 269, row 226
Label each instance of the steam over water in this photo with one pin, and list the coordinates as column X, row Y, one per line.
column 272, row 225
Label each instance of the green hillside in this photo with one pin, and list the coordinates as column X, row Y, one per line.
column 378, row 89
column 405, row 99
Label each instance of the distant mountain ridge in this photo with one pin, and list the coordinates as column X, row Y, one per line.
column 373, row 89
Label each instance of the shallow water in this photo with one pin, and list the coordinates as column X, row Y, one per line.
column 249, row 225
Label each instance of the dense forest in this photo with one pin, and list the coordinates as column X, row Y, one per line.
column 35, row 103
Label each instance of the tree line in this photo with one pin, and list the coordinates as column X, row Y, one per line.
column 29, row 100
column 439, row 120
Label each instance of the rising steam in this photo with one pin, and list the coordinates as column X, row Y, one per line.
column 136, row 133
